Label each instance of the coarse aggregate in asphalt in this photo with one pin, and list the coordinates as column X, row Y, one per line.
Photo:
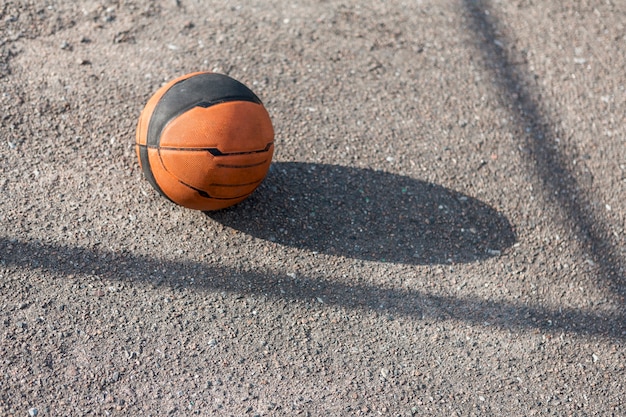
column 441, row 231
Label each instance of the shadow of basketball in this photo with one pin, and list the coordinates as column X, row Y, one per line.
column 370, row 215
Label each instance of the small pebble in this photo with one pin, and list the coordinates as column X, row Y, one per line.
column 33, row 412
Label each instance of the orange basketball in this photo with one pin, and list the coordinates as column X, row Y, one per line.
column 205, row 141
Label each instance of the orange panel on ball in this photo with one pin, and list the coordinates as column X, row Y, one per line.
column 219, row 176
column 138, row 152
column 237, row 126
column 183, row 194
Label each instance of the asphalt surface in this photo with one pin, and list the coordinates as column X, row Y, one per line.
column 441, row 232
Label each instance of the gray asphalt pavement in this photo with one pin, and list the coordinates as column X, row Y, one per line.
column 441, row 231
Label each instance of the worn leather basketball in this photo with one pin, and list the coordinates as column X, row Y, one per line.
column 205, row 141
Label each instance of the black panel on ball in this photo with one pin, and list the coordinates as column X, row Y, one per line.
column 204, row 90
column 147, row 170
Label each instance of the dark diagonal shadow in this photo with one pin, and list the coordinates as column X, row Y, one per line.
column 75, row 261
column 371, row 215
column 559, row 184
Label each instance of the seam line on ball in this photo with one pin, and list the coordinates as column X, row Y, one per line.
column 212, row 151
column 242, row 166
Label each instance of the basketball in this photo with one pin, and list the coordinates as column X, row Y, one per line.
column 205, row 141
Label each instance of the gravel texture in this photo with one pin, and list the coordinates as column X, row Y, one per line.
column 442, row 231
